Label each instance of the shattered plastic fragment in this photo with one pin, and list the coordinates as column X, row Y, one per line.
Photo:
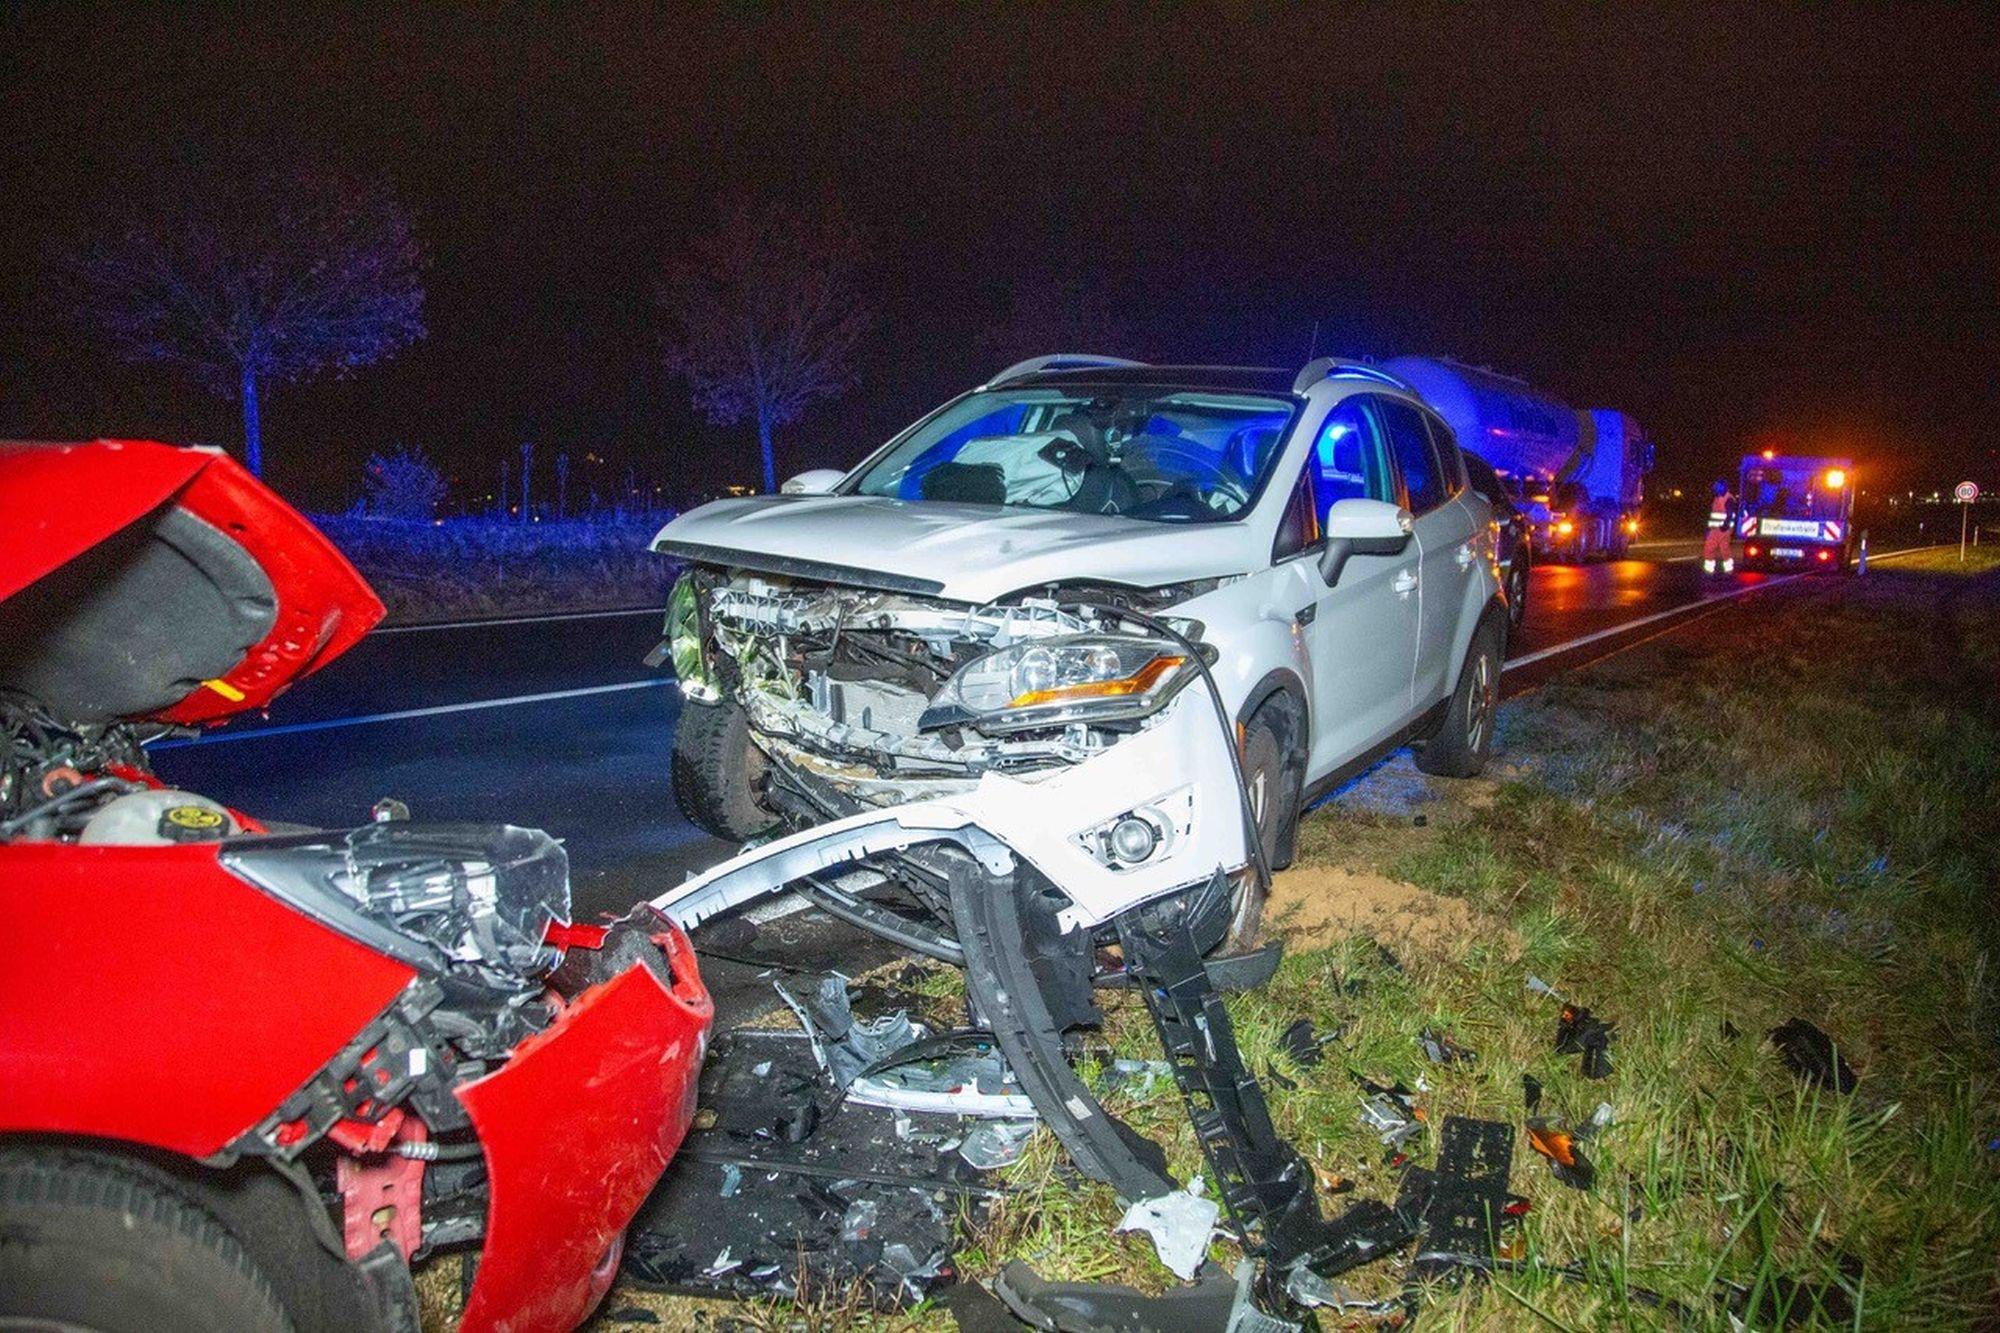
column 1812, row 1055
column 997, row 1143
column 1181, row 1225
column 859, row 1220
column 1442, row 1050
column 1580, row 1032
column 732, row 1180
column 1540, row 987
column 1566, row 1161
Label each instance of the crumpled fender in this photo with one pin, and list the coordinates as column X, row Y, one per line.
column 577, row 1127
column 1037, row 819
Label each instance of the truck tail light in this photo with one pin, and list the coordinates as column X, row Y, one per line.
column 1825, row 554
column 1750, row 550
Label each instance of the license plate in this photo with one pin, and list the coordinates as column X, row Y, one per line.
column 1788, row 553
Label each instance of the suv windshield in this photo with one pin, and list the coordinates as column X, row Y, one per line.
column 1141, row 451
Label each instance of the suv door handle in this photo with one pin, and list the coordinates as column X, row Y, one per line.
column 1405, row 583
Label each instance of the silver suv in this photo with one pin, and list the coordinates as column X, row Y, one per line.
column 1025, row 618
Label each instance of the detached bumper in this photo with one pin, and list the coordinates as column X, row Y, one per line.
column 577, row 1127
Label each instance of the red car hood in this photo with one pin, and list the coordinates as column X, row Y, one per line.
column 144, row 581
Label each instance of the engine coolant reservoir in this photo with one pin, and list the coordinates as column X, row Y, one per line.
column 158, row 819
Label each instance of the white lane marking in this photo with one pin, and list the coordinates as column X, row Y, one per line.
column 520, row 620
column 403, row 715
column 1684, row 607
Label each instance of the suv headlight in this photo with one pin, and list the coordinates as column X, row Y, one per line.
column 1049, row 682
column 684, row 648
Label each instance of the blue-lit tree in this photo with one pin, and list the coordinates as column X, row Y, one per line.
column 764, row 316
column 241, row 279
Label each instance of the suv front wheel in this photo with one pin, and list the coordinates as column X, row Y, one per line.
column 1462, row 744
column 718, row 771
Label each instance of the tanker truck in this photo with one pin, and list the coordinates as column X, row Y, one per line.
column 1577, row 476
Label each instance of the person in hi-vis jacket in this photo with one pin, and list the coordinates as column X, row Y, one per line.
column 1715, row 550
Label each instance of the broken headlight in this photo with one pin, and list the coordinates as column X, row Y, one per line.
column 1049, row 682
column 684, row 646
column 466, row 899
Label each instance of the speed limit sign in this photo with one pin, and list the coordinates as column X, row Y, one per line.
column 1965, row 492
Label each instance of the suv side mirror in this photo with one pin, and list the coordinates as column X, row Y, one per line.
column 1362, row 527
column 814, row 481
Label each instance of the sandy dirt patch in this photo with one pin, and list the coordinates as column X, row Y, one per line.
column 1316, row 907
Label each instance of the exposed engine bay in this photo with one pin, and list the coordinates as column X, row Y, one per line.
column 887, row 696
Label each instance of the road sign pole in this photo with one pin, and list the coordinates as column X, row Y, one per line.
column 1965, row 493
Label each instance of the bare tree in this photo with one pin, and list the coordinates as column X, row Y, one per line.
column 242, row 279
column 764, row 317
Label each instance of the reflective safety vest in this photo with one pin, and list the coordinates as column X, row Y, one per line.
column 1718, row 513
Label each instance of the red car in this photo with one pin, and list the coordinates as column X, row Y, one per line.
column 248, row 1074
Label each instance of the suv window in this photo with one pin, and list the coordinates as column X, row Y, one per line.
column 1484, row 479
column 1347, row 462
column 1410, row 441
column 1457, row 473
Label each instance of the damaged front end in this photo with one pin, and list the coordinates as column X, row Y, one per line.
column 1058, row 724
column 435, row 1117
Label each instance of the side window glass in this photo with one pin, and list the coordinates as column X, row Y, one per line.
column 1457, row 470
column 1347, row 462
column 1410, row 443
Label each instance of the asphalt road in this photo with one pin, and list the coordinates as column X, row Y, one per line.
column 555, row 722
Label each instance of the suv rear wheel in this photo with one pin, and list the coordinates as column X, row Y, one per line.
column 719, row 771
column 87, row 1244
column 1462, row 744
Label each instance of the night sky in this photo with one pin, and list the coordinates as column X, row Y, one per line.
column 1748, row 225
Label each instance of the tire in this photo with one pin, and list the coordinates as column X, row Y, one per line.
column 718, row 772
column 1274, row 780
column 1462, row 744
column 86, row 1243
column 1517, row 586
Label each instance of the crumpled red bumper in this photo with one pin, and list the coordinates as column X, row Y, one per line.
column 577, row 1127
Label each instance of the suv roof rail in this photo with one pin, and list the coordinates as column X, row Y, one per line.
column 1343, row 367
column 1055, row 361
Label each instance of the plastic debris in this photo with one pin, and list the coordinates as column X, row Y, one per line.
column 1540, row 987
column 723, row 1263
column 1304, row 1044
column 1531, row 1092
column 732, row 1180
column 1460, row 1202
column 844, row 1046
column 1442, row 1050
column 859, row 1220
column 1812, row 1055
column 997, row 1143
column 1140, row 1078
column 1215, row 1304
column 1310, row 1289
column 1600, row 1119
column 1580, row 1032
column 1566, row 1161
column 1181, row 1225
column 1390, row 1117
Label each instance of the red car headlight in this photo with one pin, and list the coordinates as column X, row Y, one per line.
column 472, row 900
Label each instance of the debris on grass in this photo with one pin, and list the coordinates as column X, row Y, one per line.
column 1566, row 1161
column 1303, row 1043
column 1812, row 1055
column 1104, row 1307
column 1181, row 1225
column 1442, row 1050
column 1580, row 1032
